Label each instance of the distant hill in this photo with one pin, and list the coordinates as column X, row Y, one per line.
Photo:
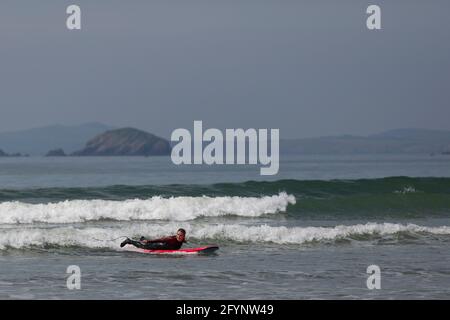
column 39, row 141
column 125, row 142
column 14, row 155
column 394, row 141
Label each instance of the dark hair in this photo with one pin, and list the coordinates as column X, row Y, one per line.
column 182, row 230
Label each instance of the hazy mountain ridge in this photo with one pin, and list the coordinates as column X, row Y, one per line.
column 38, row 141
column 392, row 141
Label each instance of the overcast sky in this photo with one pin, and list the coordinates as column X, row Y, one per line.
column 310, row 68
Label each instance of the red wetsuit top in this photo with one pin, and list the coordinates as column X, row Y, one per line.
column 170, row 242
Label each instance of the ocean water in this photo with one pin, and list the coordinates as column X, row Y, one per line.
column 309, row 232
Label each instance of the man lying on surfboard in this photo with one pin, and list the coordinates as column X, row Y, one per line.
column 167, row 243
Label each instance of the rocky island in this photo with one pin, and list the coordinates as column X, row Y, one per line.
column 125, row 142
column 56, row 153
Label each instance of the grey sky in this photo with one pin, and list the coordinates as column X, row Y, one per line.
column 309, row 68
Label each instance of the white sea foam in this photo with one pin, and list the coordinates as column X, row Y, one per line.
column 28, row 236
column 155, row 208
column 406, row 190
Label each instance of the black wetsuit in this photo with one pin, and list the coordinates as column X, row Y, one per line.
column 168, row 243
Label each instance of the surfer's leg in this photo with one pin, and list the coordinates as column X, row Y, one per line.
column 143, row 245
column 137, row 244
column 155, row 246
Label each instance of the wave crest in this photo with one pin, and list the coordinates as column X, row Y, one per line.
column 155, row 208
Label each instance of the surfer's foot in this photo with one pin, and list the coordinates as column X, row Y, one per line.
column 127, row 241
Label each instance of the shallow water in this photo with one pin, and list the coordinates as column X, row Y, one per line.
column 236, row 272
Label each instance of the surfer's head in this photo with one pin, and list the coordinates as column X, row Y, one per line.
column 181, row 233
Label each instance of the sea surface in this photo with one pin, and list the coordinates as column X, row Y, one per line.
column 309, row 232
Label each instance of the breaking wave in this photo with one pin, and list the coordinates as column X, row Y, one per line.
column 99, row 237
column 397, row 197
column 156, row 208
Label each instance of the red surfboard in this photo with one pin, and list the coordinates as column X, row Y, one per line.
column 199, row 250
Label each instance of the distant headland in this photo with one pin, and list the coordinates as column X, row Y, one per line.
column 90, row 139
column 97, row 139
